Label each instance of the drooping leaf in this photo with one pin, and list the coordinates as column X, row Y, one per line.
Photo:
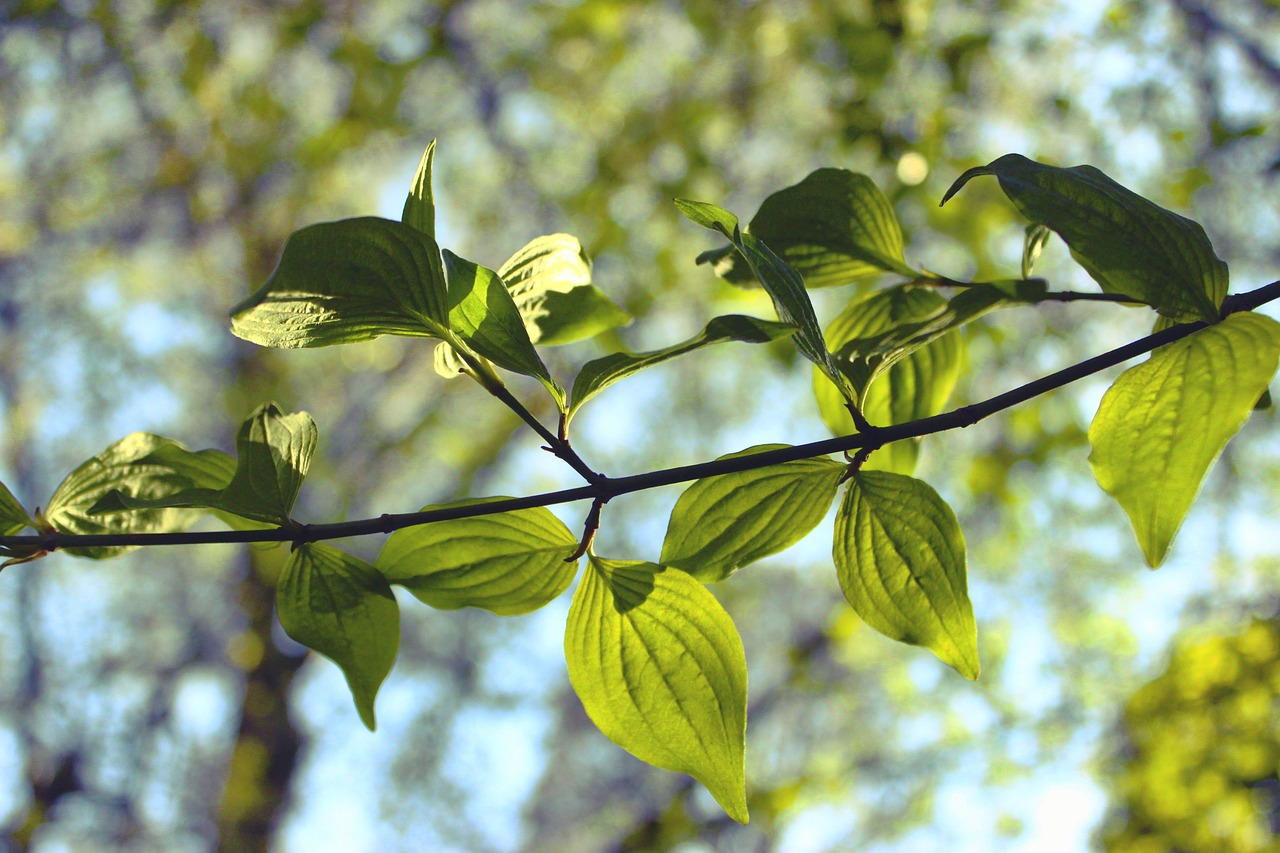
column 660, row 669
column 420, row 206
column 483, row 314
column 780, row 281
column 834, row 227
column 1164, row 422
column 916, row 386
column 866, row 358
column 550, row 281
column 13, row 518
column 1129, row 245
column 722, row 523
column 274, row 454
column 343, row 608
column 139, row 467
column 599, row 374
column 345, row 282
column 900, row 558
column 508, row 563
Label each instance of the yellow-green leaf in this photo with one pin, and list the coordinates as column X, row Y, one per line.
column 1164, row 422
column 661, row 671
column 723, row 523
column 508, row 563
column 913, row 387
column 900, row 558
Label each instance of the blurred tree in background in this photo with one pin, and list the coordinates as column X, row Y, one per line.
column 1197, row 767
column 156, row 155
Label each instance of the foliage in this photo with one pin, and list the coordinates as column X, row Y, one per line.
column 654, row 657
column 1195, row 766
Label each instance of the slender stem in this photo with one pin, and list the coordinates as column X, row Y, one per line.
column 603, row 489
column 558, row 445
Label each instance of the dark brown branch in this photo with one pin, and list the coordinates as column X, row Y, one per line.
column 603, row 489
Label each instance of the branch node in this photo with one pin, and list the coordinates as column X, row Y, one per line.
column 590, row 527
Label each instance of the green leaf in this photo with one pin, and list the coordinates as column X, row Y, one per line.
column 1165, row 421
column 900, row 558
column 1036, row 239
column 508, row 563
column 420, row 207
column 1129, row 245
column 13, row 518
column 345, row 282
column 139, row 467
column 599, row 374
column 865, row 358
column 274, row 454
column 483, row 314
column 781, row 282
column 722, row 523
column 340, row 606
column 916, row 386
column 661, row 671
column 834, row 227
column 550, row 281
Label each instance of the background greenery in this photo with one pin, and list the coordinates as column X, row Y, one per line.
column 153, row 158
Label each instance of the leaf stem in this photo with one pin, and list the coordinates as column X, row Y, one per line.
column 602, row 489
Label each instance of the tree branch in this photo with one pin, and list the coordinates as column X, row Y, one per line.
column 603, row 489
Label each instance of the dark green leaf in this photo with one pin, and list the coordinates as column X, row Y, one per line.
column 550, row 281
column 340, row 606
column 420, row 206
column 1164, row 422
column 781, row 282
column 900, row 557
column 723, row 523
column 661, row 671
column 274, row 454
column 834, row 227
column 139, row 467
column 509, row 563
column 913, row 387
column 483, row 314
column 599, row 374
column 345, row 282
column 1129, row 245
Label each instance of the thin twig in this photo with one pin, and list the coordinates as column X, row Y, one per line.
column 604, row 489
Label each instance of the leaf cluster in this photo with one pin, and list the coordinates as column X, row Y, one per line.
column 654, row 657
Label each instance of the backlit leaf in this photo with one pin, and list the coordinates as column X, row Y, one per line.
column 273, row 456
column 834, row 227
column 1164, row 422
column 345, row 282
column 722, row 523
column 141, row 467
column 1129, row 245
column 900, row 558
column 865, row 358
column 915, row 386
column 781, row 282
column 13, row 518
column 509, row 563
column 660, row 669
column 483, row 314
column 343, row 608
column 599, row 374
column 550, row 281
column 420, row 206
